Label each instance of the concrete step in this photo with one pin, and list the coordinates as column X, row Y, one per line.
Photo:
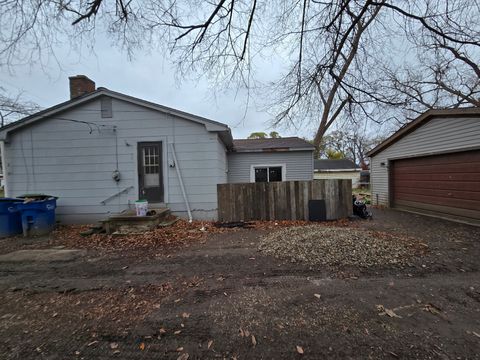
column 129, row 222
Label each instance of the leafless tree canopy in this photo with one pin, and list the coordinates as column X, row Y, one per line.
column 340, row 60
column 350, row 143
column 13, row 107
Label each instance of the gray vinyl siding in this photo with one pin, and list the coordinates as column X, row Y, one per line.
column 299, row 164
column 75, row 161
column 439, row 135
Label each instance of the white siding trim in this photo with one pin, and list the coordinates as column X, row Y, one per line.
column 4, row 168
column 252, row 170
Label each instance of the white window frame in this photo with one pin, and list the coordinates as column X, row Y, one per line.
column 256, row 166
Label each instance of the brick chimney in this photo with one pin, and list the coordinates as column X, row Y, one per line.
column 80, row 85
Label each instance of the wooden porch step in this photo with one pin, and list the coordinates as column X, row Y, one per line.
column 130, row 215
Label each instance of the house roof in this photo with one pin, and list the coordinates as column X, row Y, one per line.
column 214, row 126
column 272, row 144
column 330, row 164
column 421, row 120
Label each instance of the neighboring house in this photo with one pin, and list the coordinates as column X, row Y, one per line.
column 337, row 169
column 431, row 165
column 102, row 150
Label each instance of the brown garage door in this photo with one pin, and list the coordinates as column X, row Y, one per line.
column 441, row 184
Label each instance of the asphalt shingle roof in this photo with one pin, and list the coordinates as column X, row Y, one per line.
column 288, row 143
column 329, row 164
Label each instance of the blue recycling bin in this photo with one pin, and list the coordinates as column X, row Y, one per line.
column 38, row 215
column 10, row 217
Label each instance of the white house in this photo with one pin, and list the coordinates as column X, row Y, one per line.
column 101, row 151
column 337, row 169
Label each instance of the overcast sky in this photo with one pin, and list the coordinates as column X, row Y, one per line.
column 148, row 76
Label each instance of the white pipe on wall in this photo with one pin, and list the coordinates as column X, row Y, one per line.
column 180, row 180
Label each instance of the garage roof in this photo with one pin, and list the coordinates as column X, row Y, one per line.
column 419, row 121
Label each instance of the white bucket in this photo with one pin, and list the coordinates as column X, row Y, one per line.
column 141, row 207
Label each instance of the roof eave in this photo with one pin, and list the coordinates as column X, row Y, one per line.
column 46, row 113
column 273, row 150
column 210, row 125
column 227, row 138
column 420, row 120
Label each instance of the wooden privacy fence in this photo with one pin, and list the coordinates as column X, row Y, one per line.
column 286, row 200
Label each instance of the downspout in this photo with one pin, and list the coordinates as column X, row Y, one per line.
column 4, row 168
column 180, row 180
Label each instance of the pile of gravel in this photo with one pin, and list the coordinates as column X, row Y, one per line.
column 319, row 245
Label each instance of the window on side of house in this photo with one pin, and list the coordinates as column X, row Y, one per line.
column 268, row 173
column 275, row 173
column 261, row 175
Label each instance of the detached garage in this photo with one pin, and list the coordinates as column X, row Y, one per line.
column 431, row 166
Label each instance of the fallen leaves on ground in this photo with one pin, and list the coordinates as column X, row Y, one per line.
column 435, row 310
column 321, row 245
column 123, row 307
column 245, row 333
column 268, row 225
column 393, row 313
column 432, row 309
column 180, row 233
column 384, row 311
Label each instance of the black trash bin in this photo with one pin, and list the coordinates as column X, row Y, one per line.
column 317, row 210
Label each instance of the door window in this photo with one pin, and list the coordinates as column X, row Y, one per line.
column 151, row 166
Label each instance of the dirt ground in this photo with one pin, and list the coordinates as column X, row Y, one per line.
column 222, row 298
